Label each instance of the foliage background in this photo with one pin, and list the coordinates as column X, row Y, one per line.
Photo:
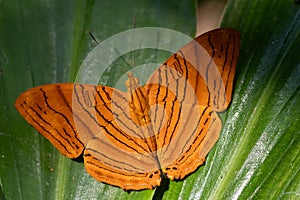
column 257, row 155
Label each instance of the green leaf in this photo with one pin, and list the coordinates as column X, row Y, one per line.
column 257, row 155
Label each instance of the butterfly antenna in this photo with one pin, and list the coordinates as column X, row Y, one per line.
column 134, row 22
column 133, row 42
column 93, row 37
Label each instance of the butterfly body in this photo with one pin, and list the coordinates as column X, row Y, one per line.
column 162, row 129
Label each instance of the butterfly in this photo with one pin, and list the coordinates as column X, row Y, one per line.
column 133, row 139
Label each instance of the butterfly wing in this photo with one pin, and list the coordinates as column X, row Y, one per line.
column 79, row 118
column 203, row 69
column 200, row 75
column 223, row 46
column 63, row 113
column 119, row 155
column 48, row 109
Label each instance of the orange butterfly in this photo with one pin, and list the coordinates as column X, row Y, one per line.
column 165, row 128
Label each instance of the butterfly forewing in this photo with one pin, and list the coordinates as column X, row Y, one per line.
column 223, row 46
column 205, row 68
column 48, row 108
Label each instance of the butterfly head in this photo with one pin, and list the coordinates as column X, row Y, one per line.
column 132, row 83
